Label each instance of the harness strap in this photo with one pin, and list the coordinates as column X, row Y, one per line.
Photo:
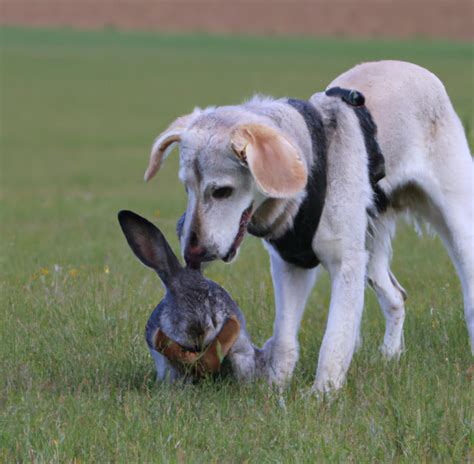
column 295, row 246
column 356, row 100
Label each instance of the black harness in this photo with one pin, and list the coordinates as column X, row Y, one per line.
column 369, row 130
column 295, row 246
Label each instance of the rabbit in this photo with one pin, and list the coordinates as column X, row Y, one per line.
column 194, row 313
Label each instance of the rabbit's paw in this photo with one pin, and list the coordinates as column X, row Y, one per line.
column 243, row 365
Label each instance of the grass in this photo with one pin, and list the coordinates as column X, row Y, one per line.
column 79, row 112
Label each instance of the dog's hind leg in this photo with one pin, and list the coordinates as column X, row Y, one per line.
column 390, row 294
column 446, row 185
column 459, row 240
column 451, row 213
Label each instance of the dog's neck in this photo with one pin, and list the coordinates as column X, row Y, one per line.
column 274, row 217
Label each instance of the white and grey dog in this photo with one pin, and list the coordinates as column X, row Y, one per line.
column 309, row 178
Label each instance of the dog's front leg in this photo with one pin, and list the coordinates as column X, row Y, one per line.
column 345, row 310
column 292, row 286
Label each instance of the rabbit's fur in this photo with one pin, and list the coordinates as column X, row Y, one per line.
column 194, row 308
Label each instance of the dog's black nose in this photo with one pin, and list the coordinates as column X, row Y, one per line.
column 194, row 255
column 194, row 252
column 193, row 240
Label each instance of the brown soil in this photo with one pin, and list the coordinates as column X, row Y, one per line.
column 451, row 19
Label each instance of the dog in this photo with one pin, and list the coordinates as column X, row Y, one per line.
column 322, row 181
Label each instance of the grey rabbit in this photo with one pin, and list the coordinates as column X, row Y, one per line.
column 194, row 309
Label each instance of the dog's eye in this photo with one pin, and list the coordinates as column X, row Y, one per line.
column 222, row 192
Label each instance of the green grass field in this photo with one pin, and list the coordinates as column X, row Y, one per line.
column 79, row 112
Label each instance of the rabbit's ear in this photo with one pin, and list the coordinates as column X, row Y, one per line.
column 149, row 245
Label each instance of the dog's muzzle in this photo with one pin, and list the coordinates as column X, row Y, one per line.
column 207, row 361
column 244, row 221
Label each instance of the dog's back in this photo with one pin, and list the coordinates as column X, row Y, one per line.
column 418, row 128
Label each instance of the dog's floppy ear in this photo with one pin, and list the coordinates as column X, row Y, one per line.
column 164, row 143
column 273, row 160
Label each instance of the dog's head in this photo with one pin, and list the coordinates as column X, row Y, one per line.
column 230, row 161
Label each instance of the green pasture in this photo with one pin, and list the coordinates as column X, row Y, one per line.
column 79, row 111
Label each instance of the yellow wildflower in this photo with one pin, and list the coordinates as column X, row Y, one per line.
column 44, row 271
column 106, row 269
column 73, row 272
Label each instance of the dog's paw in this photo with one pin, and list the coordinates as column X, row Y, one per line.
column 394, row 350
column 328, row 396
column 280, row 361
column 390, row 353
column 330, row 376
column 325, row 386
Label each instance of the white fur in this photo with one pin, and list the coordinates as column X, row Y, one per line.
column 164, row 370
column 424, row 144
column 429, row 174
column 292, row 287
column 340, row 245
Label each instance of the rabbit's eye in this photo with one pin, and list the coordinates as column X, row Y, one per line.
column 222, row 192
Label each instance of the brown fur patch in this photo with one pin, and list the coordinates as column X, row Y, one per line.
column 171, row 350
column 210, row 360
column 218, row 349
